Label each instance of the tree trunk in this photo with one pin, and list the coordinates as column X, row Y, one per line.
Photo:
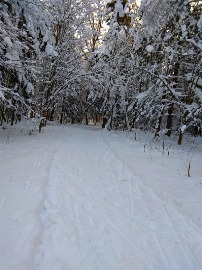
column 62, row 115
column 108, row 125
column 85, row 119
column 180, row 137
column 104, row 122
column 61, row 118
column 159, row 125
column 13, row 114
column 169, row 120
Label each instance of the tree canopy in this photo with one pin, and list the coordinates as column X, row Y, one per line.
column 116, row 62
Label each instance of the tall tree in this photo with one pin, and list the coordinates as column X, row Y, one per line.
column 24, row 30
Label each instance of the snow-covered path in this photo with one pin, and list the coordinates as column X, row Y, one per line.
column 87, row 205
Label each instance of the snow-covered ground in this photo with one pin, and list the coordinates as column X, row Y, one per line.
column 81, row 198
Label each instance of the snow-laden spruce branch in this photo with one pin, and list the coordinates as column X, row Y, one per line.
column 16, row 97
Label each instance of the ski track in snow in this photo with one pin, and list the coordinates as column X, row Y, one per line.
column 68, row 177
column 97, row 212
column 172, row 227
column 41, row 213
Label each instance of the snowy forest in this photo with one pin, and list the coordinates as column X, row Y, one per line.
column 100, row 135
column 123, row 64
